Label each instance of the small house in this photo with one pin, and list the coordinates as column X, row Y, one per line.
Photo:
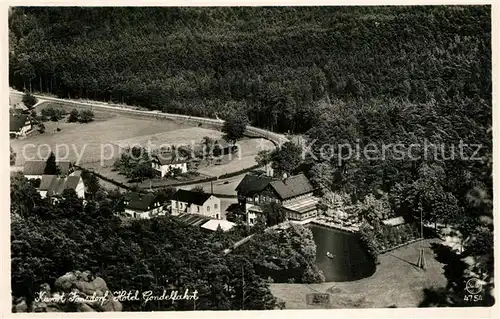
column 163, row 164
column 52, row 185
column 20, row 124
column 190, row 202
column 139, row 205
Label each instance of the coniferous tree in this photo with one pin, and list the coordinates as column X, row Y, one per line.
column 51, row 165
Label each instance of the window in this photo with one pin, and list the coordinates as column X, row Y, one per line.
column 251, row 220
column 216, row 216
column 176, row 204
column 215, row 206
column 208, row 208
column 198, row 207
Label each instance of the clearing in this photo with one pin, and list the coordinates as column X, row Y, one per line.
column 88, row 139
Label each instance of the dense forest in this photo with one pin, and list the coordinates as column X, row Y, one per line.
column 49, row 240
column 339, row 75
column 274, row 64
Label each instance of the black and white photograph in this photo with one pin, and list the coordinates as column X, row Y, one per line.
column 238, row 158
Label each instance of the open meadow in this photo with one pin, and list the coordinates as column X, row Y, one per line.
column 96, row 145
column 182, row 136
column 89, row 142
column 239, row 160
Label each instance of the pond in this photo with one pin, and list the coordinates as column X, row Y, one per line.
column 348, row 261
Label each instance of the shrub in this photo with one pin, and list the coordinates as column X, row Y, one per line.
column 29, row 100
column 74, row 116
column 86, row 116
column 369, row 240
column 52, row 114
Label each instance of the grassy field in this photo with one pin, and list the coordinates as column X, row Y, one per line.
column 97, row 144
column 239, row 161
column 397, row 282
column 89, row 139
column 189, row 136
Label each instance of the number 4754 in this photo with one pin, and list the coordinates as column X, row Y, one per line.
column 473, row 298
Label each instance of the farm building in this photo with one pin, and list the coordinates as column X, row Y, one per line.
column 164, row 164
column 143, row 205
column 20, row 124
column 51, row 185
column 36, row 168
column 184, row 201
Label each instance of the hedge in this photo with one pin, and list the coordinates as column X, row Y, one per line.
column 245, row 170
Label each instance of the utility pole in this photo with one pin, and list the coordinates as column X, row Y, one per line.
column 421, row 258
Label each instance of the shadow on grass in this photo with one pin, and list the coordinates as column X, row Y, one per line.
column 454, row 270
column 414, row 265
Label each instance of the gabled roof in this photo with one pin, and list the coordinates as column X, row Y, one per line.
column 191, row 197
column 18, row 111
column 140, row 202
column 253, row 184
column 292, row 186
column 164, row 159
column 37, row 167
column 56, row 185
column 17, row 122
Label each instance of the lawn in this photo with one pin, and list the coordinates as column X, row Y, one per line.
column 239, row 161
column 91, row 139
column 184, row 136
column 397, row 282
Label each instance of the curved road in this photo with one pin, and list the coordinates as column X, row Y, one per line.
column 276, row 138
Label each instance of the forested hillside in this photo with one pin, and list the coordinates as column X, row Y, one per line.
column 48, row 240
column 354, row 76
column 274, row 64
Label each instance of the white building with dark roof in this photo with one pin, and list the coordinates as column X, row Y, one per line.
column 190, row 202
column 143, row 206
column 19, row 124
column 52, row 185
column 164, row 164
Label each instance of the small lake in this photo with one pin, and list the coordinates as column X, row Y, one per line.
column 350, row 259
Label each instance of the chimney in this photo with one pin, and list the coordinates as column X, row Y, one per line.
column 285, row 176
